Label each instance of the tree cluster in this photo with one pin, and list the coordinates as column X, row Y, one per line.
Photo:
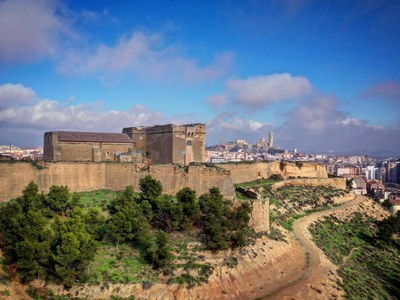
column 389, row 230
column 223, row 226
column 136, row 215
column 51, row 236
column 48, row 236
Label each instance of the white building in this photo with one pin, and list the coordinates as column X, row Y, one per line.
column 370, row 172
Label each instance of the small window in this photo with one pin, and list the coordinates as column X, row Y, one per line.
column 189, row 143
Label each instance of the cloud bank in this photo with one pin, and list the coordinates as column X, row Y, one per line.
column 24, row 116
column 45, row 29
column 29, row 30
column 145, row 55
column 385, row 90
column 259, row 91
column 316, row 123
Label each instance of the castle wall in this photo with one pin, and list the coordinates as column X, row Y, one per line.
column 90, row 151
column 339, row 183
column 250, row 171
column 48, row 147
column 75, row 152
column 80, row 176
column 259, row 218
column 159, row 146
column 165, row 144
column 138, row 136
column 182, row 152
column 56, row 150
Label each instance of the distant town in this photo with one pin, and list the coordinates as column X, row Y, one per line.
column 378, row 178
column 11, row 152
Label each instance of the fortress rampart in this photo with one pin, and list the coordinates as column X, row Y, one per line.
column 339, row 183
column 81, row 176
column 87, row 176
column 250, row 171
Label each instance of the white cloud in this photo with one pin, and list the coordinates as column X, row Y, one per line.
column 316, row 114
column 143, row 54
column 32, row 30
column 258, row 91
column 40, row 115
column 384, row 90
column 29, row 29
column 226, row 127
column 218, row 100
column 319, row 125
column 315, row 124
column 350, row 121
column 261, row 90
column 15, row 94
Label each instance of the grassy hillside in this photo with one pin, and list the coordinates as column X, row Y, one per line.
column 369, row 266
column 293, row 202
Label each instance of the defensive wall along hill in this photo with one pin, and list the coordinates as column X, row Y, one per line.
column 14, row 177
column 250, row 171
column 338, row 182
column 81, row 176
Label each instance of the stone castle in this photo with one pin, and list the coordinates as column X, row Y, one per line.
column 166, row 144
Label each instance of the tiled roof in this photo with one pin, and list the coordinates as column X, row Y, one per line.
column 75, row 136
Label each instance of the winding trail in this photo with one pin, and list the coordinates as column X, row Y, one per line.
column 316, row 279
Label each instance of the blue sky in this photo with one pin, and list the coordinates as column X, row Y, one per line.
column 323, row 75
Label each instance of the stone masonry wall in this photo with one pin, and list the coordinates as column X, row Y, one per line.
column 14, row 177
column 245, row 172
column 82, row 176
column 339, row 183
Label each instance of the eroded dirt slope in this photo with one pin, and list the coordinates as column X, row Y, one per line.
column 319, row 280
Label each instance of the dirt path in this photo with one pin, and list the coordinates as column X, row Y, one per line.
column 319, row 278
column 350, row 254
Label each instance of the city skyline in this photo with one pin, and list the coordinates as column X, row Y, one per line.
column 324, row 76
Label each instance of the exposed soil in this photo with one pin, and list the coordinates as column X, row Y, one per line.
column 260, row 269
column 320, row 279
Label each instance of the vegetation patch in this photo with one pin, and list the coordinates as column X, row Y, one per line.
column 122, row 264
column 5, row 293
column 366, row 251
column 104, row 237
column 4, row 274
column 276, row 234
column 290, row 203
column 97, row 199
column 267, row 183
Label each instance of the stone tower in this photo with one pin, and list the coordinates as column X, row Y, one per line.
column 180, row 144
column 271, row 140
